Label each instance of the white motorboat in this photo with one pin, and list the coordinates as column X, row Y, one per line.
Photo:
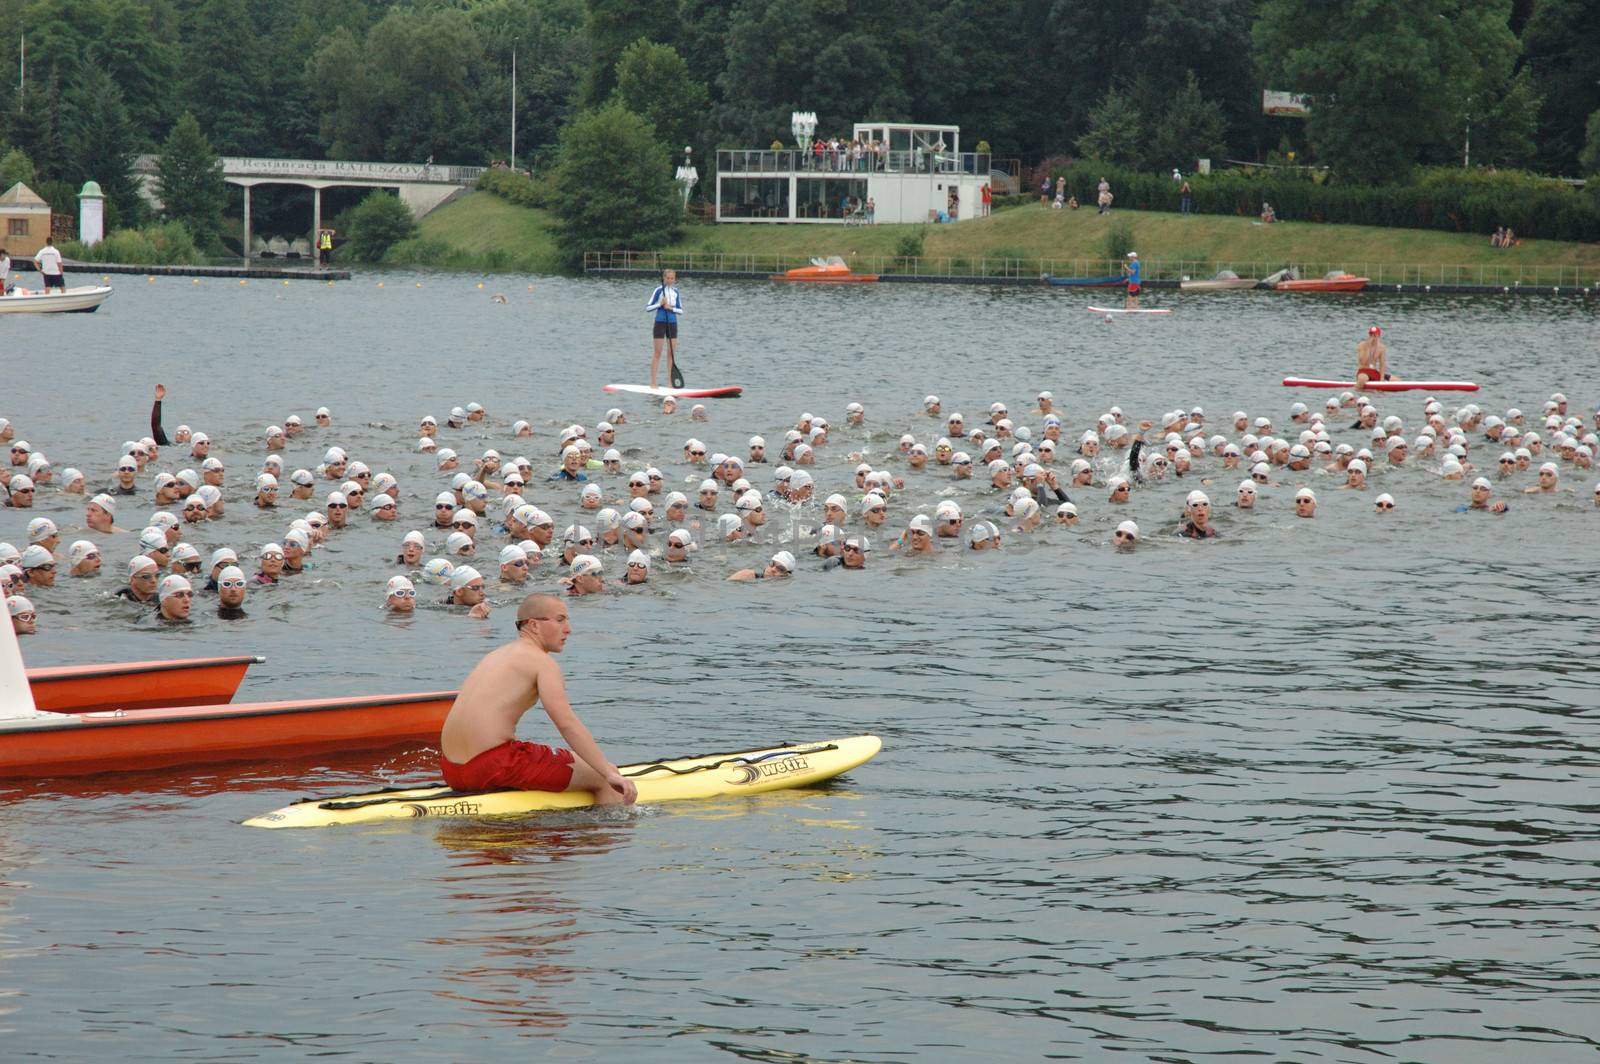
column 1225, row 280
column 78, row 300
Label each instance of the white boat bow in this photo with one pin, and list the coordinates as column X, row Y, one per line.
column 74, row 300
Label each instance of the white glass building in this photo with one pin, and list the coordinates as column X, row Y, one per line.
column 904, row 172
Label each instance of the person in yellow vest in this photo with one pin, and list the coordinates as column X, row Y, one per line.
column 324, row 246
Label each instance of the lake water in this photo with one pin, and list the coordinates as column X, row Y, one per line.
column 1321, row 790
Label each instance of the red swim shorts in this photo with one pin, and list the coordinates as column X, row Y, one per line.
column 513, row 766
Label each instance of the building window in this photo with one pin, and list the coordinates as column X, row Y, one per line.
column 830, row 197
column 17, row 227
column 751, row 197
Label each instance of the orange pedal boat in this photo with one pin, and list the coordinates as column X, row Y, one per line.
column 137, row 735
column 1337, row 281
column 138, row 684
column 831, row 270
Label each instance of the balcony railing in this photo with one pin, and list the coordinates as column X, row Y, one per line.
column 791, row 161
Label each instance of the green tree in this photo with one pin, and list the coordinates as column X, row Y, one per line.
column 653, row 82
column 136, row 46
column 552, row 57
column 376, row 224
column 1506, row 132
column 1563, row 61
column 1115, row 131
column 101, row 142
column 221, row 75
column 407, row 91
column 36, row 125
column 610, row 26
column 189, row 180
column 1389, row 81
column 613, row 185
column 1190, row 128
column 1588, row 159
column 16, row 166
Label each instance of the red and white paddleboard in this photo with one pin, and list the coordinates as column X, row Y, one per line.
column 1384, row 386
column 730, row 392
column 1124, row 310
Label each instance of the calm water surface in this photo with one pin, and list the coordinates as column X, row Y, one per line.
column 1321, row 790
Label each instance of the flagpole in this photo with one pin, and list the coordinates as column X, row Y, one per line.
column 513, row 159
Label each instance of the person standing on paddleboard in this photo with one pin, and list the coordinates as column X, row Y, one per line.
column 666, row 305
column 478, row 748
column 1135, row 274
column 1372, row 358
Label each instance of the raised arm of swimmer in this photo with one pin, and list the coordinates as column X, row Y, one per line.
column 155, row 417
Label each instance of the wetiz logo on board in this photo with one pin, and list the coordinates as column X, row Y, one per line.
column 745, row 775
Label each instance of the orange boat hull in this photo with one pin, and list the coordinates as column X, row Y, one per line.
column 817, row 275
column 138, row 684
column 138, row 740
column 1341, row 284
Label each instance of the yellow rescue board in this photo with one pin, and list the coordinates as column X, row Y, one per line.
column 774, row 768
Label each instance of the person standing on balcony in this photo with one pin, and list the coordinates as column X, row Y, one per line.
column 666, row 305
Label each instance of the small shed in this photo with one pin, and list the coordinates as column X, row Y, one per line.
column 24, row 221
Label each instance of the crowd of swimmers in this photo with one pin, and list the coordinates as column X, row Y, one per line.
column 821, row 497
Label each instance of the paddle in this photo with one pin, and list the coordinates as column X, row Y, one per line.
column 672, row 360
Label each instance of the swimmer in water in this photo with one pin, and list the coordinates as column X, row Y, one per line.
column 1197, row 517
column 587, row 576
column 782, row 565
column 467, row 588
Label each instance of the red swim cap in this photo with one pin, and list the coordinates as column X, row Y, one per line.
column 1374, row 331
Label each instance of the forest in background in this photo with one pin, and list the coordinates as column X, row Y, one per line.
column 1150, row 84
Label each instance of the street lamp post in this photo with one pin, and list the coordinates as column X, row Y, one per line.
column 513, row 159
column 687, row 175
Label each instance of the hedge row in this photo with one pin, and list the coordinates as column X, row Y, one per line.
column 1455, row 201
column 515, row 187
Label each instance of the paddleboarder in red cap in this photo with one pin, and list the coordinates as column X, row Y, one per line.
column 1372, row 358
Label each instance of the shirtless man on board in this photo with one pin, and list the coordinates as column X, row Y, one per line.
column 478, row 747
column 1372, row 358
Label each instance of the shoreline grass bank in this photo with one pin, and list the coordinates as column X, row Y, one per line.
column 485, row 233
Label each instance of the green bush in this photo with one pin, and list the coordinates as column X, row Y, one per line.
column 167, row 244
column 1119, row 240
column 909, row 246
column 376, row 224
column 515, row 187
column 1445, row 198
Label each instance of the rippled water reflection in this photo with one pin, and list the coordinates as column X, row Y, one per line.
column 1317, row 791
